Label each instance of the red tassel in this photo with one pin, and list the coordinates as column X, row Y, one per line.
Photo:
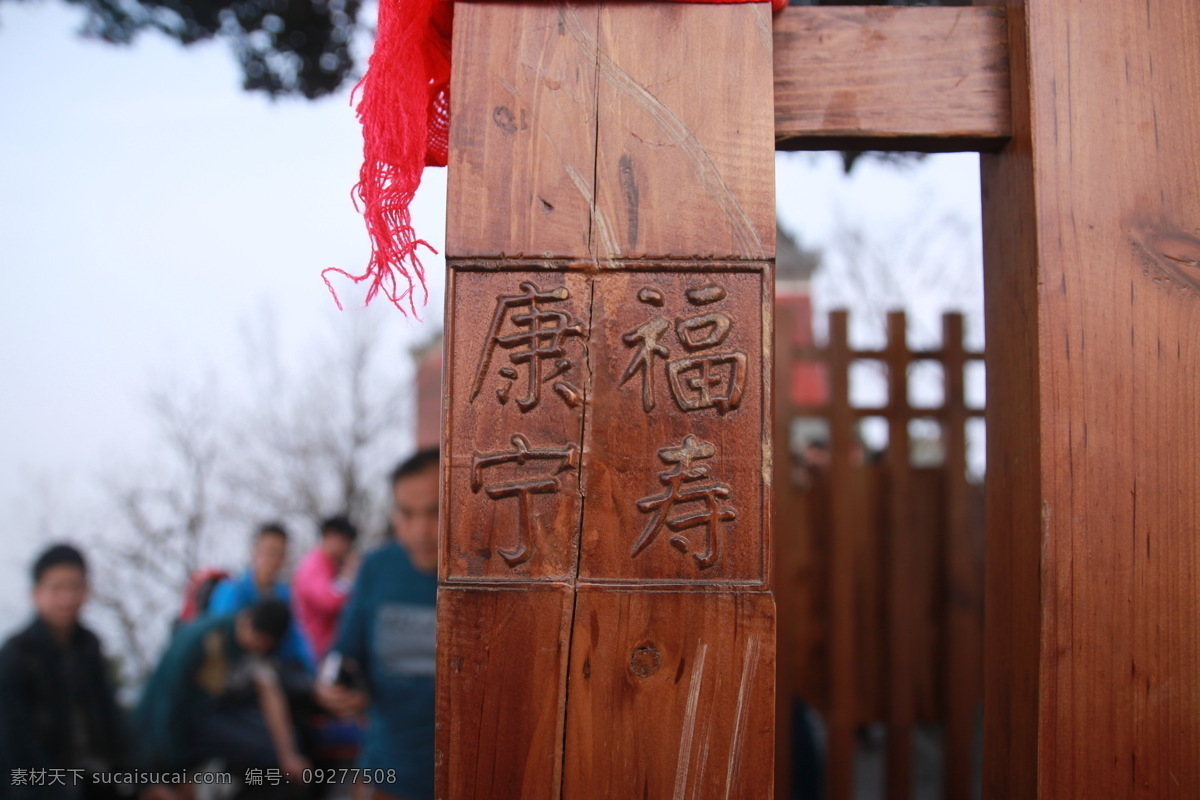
column 404, row 112
column 405, row 117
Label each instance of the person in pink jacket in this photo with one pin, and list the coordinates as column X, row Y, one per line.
column 322, row 583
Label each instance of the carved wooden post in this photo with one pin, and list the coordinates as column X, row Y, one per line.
column 606, row 627
column 1092, row 240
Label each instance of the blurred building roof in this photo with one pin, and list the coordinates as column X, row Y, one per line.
column 792, row 261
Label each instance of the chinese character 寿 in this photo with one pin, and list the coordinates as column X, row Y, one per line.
column 687, row 482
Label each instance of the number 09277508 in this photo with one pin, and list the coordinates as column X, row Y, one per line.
column 349, row 775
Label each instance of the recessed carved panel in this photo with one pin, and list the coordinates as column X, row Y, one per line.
column 517, row 380
column 673, row 464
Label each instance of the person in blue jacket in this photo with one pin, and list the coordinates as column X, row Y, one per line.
column 386, row 641
column 261, row 581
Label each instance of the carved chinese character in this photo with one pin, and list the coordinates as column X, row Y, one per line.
column 714, row 380
column 532, row 333
column 703, row 330
column 646, row 336
column 687, row 482
column 703, row 295
column 545, row 482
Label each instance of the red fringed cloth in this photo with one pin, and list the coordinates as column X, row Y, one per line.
column 405, row 115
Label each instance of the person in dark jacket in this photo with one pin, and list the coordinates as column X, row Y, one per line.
column 215, row 694
column 59, row 722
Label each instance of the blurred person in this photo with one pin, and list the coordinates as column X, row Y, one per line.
column 386, row 640
column 321, row 584
column 57, row 707
column 216, row 694
column 262, row 580
column 197, row 594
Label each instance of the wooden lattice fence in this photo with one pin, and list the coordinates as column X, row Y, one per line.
column 879, row 561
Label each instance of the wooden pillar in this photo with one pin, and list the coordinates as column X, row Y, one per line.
column 1092, row 262
column 606, row 627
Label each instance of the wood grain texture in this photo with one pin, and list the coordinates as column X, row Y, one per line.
column 1012, row 602
column 684, row 163
column 502, row 659
column 1092, row 241
column 921, row 78
column 671, row 695
column 523, row 132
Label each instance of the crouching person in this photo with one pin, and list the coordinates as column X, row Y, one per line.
column 216, row 694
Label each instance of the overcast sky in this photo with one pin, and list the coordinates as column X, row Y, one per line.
column 148, row 208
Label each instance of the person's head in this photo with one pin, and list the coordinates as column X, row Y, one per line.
column 415, row 508
column 60, row 586
column 269, row 552
column 260, row 628
column 337, row 536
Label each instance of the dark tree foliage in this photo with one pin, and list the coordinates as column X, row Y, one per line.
column 285, row 47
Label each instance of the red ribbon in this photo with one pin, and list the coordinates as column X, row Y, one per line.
column 405, row 115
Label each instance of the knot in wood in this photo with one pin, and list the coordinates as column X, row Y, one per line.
column 644, row 662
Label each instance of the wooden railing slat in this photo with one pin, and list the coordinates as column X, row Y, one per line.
column 900, row 569
column 843, row 628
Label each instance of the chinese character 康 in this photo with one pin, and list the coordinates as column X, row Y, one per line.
column 539, row 337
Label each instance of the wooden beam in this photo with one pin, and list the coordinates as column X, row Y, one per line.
column 525, row 143
column 522, row 156
column 1092, row 291
column 661, row 133
column 929, row 79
